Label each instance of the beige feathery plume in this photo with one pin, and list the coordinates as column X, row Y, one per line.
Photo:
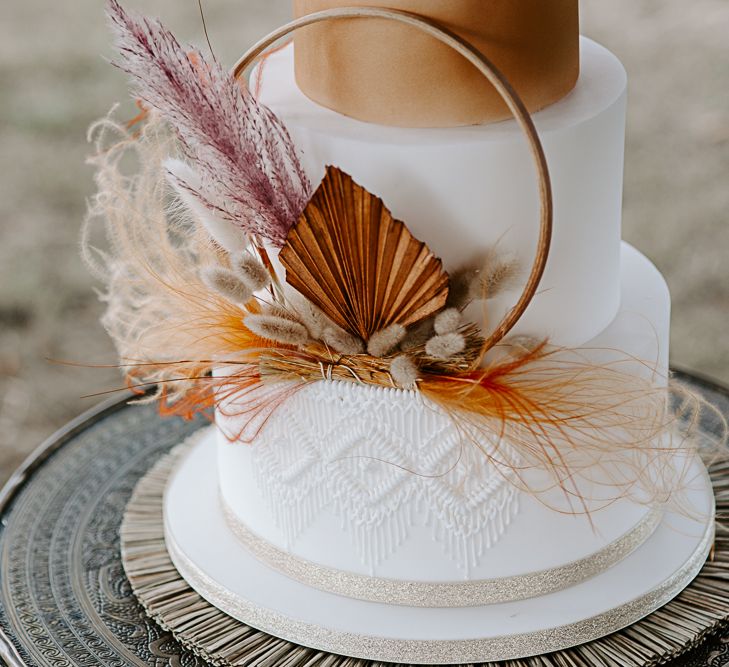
column 252, row 272
column 311, row 316
column 342, row 341
column 482, row 281
column 278, row 329
column 167, row 323
column 385, row 340
column 227, row 284
column 404, row 371
column 447, row 321
column 283, row 312
column 497, row 275
column 445, row 346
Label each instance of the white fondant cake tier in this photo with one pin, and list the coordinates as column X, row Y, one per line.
column 377, row 482
column 462, row 190
column 219, row 567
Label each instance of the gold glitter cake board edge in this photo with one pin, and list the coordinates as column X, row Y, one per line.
column 668, row 632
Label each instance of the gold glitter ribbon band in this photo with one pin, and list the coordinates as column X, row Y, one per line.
column 441, row 594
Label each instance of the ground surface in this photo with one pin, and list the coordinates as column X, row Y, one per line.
column 54, row 83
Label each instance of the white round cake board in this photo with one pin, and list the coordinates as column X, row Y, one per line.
column 215, row 564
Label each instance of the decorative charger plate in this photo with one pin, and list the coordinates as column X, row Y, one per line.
column 64, row 599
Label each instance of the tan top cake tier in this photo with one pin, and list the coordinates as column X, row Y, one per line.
column 385, row 72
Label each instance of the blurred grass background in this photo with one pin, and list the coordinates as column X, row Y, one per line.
column 54, row 82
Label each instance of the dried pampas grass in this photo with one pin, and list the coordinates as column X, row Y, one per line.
column 227, row 235
column 245, row 168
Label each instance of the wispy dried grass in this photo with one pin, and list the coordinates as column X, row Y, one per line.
column 169, row 326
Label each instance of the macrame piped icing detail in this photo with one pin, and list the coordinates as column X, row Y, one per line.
column 382, row 460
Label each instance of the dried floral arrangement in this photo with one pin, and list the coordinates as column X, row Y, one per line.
column 231, row 280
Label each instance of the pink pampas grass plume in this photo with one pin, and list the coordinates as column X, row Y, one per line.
column 247, row 165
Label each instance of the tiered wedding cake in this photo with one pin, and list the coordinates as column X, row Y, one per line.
column 374, row 491
column 387, row 483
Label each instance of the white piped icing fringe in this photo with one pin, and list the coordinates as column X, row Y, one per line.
column 381, row 477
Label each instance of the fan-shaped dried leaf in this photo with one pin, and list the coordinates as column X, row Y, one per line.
column 359, row 265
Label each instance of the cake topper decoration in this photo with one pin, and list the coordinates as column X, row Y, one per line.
column 197, row 307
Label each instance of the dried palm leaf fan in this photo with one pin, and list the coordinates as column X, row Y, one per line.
column 363, row 309
column 363, row 268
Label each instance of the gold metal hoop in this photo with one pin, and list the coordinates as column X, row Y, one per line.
column 503, row 87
